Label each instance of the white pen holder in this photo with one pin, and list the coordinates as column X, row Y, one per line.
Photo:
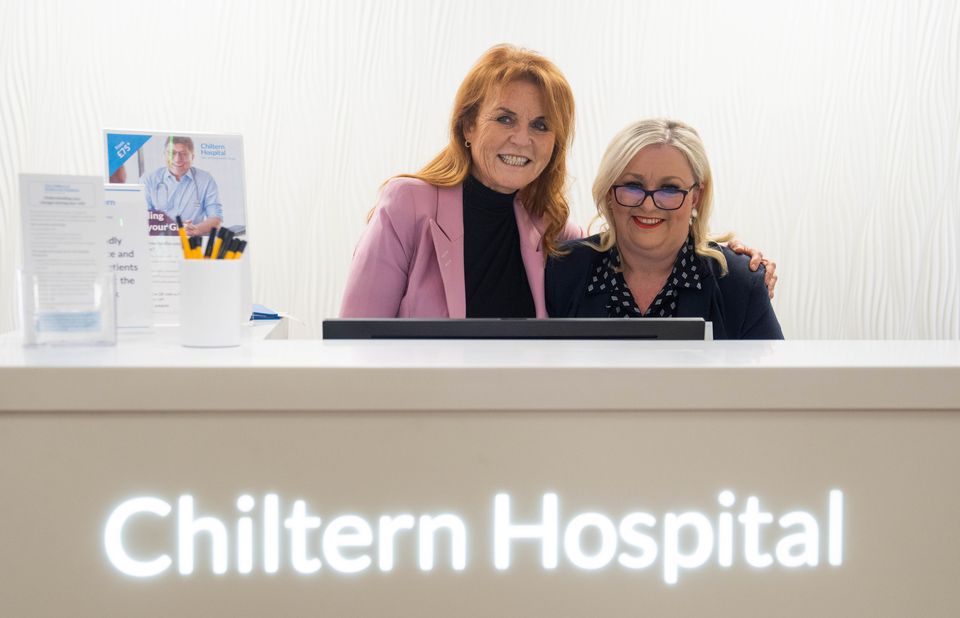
column 212, row 314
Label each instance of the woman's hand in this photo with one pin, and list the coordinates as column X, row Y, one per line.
column 756, row 259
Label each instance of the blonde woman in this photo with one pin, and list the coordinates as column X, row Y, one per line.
column 655, row 256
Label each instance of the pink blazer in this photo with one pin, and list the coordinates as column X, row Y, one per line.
column 409, row 263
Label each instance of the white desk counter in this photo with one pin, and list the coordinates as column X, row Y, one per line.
column 483, row 375
column 292, row 478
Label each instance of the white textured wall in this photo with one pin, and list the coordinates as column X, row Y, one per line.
column 833, row 125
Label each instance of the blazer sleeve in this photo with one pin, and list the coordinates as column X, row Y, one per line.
column 760, row 322
column 551, row 293
column 564, row 279
column 557, row 278
column 377, row 280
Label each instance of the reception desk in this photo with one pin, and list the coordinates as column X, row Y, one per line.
column 481, row 478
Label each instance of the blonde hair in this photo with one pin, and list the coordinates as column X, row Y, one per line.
column 625, row 146
column 500, row 65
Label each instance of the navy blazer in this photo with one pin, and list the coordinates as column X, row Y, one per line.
column 737, row 304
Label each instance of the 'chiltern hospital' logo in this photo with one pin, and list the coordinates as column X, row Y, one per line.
column 680, row 541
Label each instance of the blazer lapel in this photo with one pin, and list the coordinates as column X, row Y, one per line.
column 702, row 303
column 533, row 262
column 447, row 233
column 695, row 303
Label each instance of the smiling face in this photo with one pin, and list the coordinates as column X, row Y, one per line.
column 645, row 231
column 179, row 159
column 510, row 140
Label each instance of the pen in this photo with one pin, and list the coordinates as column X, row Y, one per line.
column 218, row 240
column 184, row 243
column 195, row 248
column 221, row 249
column 232, row 249
column 208, row 252
column 237, row 249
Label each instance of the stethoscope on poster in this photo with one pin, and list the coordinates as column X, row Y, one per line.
column 163, row 203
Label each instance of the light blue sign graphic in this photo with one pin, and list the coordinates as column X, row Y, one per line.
column 121, row 147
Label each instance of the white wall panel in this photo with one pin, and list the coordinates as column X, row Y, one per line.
column 833, row 126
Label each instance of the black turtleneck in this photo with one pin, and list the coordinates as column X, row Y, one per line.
column 496, row 282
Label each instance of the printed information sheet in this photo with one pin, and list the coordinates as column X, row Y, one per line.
column 128, row 254
column 65, row 269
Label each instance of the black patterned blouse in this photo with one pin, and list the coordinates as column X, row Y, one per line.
column 608, row 279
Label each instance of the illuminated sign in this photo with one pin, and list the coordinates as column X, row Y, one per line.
column 352, row 544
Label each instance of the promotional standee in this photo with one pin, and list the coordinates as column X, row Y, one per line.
column 195, row 176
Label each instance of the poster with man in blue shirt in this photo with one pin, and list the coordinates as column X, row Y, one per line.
column 195, row 176
column 182, row 190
